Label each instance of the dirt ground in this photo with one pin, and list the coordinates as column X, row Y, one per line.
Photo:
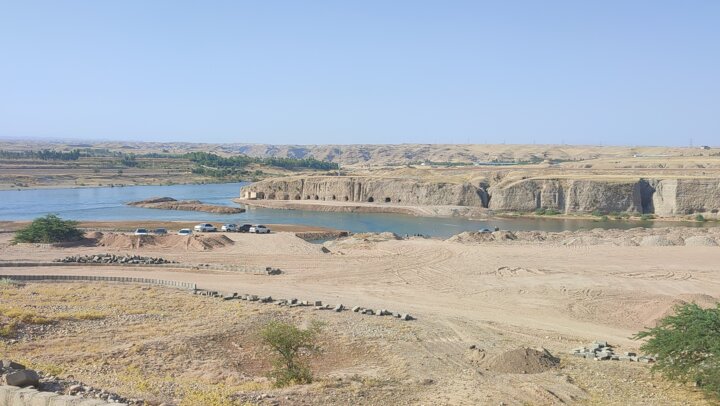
column 498, row 297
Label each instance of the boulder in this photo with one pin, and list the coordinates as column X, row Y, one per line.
column 22, row 378
column 7, row 364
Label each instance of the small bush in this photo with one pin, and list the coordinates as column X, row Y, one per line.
column 597, row 213
column 700, row 218
column 551, row 212
column 289, row 342
column 540, row 211
column 49, row 229
column 646, row 217
column 687, row 346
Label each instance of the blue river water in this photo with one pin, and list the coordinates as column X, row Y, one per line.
column 108, row 203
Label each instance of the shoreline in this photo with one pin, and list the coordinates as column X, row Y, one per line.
column 61, row 186
column 9, row 226
column 470, row 213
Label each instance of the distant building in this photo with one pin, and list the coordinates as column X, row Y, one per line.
column 704, row 147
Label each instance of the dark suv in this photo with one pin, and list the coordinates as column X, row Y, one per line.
column 245, row 228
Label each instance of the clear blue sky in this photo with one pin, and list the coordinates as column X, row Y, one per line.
column 306, row 72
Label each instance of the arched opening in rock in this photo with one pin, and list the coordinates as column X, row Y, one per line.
column 387, row 200
column 370, row 199
column 347, row 198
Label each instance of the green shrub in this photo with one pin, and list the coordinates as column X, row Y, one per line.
column 687, row 346
column 646, row 217
column 597, row 213
column 49, row 229
column 700, row 218
column 289, row 343
column 551, row 212
column 540, row 211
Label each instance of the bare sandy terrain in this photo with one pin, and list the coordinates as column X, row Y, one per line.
column 497, row 296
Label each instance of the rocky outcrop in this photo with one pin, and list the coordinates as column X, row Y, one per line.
column 567, row 196
column 663, row 197
column 168, row 203
column 686, row 196
column 367, row 189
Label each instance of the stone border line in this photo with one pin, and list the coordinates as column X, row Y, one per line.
column 192, row 287
column 14, row 396
column 91, row 278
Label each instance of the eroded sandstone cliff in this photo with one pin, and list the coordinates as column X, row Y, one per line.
column 664, row 197
column 367, row 189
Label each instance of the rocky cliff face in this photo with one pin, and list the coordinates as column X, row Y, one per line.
column 568, row 196
column 665, row 197
column 367, row 189
column 686, row 196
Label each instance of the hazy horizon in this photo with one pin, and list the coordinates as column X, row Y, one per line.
column 284, row 73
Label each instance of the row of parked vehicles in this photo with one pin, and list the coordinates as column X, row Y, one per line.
column 209, row 228
column 233, row 228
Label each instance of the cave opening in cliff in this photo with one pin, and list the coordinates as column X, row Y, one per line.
column 347, row 198
column 333, row 197
column 317, row 197
column 387, row 200
column 298, row 197
column 370, row 199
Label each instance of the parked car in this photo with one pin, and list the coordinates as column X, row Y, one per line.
column 259, row 229
column 160, row 231
column 205, row 227
column 185, row 231
column 485, row 230
column 229, row 227
column 245, row 228
column 141, row 231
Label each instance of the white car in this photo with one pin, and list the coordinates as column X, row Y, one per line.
column 141, row 231
column 185, row 231
column 205, row 227
column 229, row 227
column 259, row 229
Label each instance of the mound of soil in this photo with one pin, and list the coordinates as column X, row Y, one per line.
column 700, row 241
column 473, row 236
column 189, row 243
column 93, row 235
column 386, row 236
column 656, row 241
column 524, row 361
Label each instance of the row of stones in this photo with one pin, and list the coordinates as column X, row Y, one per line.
column 114, row 259
column 316, row 304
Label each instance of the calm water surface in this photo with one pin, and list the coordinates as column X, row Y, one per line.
column 108, row 203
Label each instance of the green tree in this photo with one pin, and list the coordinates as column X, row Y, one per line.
column 687, row 346
column 290, row 344
column 49, row 229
